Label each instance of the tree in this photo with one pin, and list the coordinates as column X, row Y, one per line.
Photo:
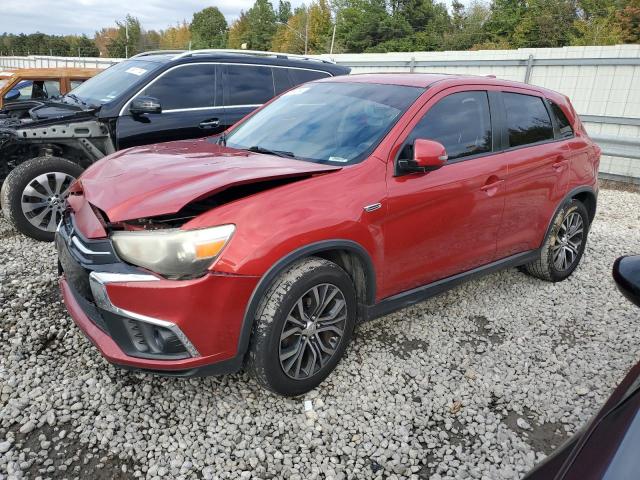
column 545, row 23
column 103, row 38
column 366, row 24
column 239, row 32
column 81, row 46
column 261, row 19
column 629, row 21
column 504, row 18
column 467, row 26
column 176, row 37
column 128, row 40
column 284, row 11
column 209, row 29
column 256, row 28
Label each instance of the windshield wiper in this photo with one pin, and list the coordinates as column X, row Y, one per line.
column 278, row 153
column 78, row 100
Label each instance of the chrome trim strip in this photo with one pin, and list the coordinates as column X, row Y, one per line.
column 84, row 249
column 126, row 105
column 98, row 281
column 196, row 109
column 373, row 207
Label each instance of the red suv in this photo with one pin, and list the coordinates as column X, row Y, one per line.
column 339, row 201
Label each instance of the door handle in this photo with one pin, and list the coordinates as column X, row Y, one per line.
column 559, row 164
column 214, row 122
column 491, row 184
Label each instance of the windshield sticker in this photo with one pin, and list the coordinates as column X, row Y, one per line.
column 338, row 159
column 136, row 71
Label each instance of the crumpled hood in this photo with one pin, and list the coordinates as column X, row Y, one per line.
column 161, row 179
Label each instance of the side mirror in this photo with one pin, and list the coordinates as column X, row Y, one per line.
column 428, row 155
column 626, row 273
column 12, row 95
column 142, row 105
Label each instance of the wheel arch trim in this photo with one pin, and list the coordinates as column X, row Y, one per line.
column 284, row 262
column 567, row 198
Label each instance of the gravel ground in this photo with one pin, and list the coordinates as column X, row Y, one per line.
column 481, row 382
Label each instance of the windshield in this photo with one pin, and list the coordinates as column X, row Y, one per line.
column 111, row 83
column 336, row 123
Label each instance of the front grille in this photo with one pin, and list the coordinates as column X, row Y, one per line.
column 77, row 256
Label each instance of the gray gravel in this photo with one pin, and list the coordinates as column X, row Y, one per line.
column 481, row 382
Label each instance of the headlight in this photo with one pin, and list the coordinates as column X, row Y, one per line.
column 173, row 253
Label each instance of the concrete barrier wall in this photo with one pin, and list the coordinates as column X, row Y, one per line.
column 602, row 82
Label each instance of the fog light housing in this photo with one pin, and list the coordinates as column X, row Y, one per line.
column 153, row 339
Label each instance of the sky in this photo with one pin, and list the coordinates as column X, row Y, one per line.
column 62, row 17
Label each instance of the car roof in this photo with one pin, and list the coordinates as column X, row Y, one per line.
column 242, row 56
column 424, row 80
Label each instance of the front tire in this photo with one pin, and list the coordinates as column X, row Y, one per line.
column 34, row 193
column 303, row 327
column 563, row 246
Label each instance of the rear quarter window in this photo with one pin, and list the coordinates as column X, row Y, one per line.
column 566, row 131
column 528, row 120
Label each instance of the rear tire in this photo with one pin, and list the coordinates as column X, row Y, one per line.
column 563, row 246
column 34, row 192
column 303, row 327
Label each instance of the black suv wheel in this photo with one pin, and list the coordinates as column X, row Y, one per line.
column 34, row 193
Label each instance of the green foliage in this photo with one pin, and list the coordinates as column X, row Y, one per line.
column 128, row 41
column 209, row 29
column 364, row 26
column 284, row 11
column 42, row 44
column 261, row 19
column 545, row 23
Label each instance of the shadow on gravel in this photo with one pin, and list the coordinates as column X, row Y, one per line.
column 54, row 457
column 542, row 438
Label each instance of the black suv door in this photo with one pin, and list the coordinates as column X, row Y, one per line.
column 191, row 107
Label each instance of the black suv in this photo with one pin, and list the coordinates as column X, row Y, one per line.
column 150, row 98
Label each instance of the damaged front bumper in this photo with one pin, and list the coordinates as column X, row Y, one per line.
column 142, row 321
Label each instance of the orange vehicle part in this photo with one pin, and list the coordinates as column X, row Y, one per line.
column 65, row 76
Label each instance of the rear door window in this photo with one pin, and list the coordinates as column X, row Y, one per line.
column 528, row 120
column 248, row 85
column 299, row 76
column 563, row 123
column 461, row 122
column 185, row 87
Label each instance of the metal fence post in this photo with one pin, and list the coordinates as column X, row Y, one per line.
column 412, row 64
column 527, row 73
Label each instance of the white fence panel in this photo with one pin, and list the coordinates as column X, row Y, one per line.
column 603, row 84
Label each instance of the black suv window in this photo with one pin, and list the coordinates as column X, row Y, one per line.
column 248, row 85
column 281, row 80
column 527, row 119
column 461, row 122
column 303, row 76
column 187, row 86
column 563, row 123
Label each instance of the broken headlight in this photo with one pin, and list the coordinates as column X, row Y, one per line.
column 173, row 253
